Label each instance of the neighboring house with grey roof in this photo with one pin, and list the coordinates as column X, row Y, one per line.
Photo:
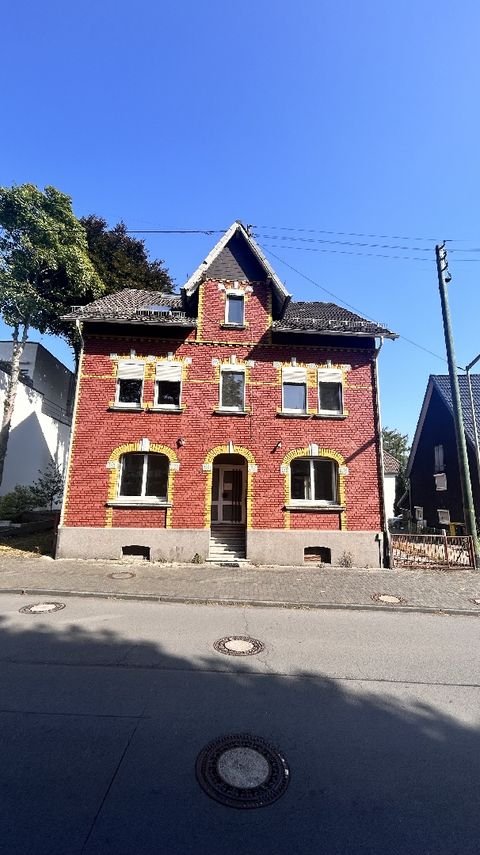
column 42, row 417
column 432, row 469
column 226, row 422
column 391, row 471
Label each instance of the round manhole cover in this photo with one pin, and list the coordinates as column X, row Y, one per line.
column 239, row 645
column 242, row 771
column 121, row 574
column 41, row 608
column 389, row 599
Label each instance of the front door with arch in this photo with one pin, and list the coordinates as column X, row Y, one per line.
column 228, row 493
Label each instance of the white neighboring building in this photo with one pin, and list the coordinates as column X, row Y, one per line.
column 391, row 469
column 41, row 424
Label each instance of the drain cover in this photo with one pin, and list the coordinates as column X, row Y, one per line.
column 121, row 574
column 41, row 608
column 388, row 598
column 239, row 645
column 242, row 771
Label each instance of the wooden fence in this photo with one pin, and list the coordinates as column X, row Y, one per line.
column 431, row 550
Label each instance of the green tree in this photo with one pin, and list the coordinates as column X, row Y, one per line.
column 121, row 261
column 48, row 488
column 44, row 267
column 397, row 444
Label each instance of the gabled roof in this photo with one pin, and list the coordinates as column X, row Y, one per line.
column 134, row 305
column 391, row 465
column 441, row 384
column 215, row 264
column 327, row 318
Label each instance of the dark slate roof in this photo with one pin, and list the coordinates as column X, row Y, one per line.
column 391, row 466
column 442, row 383
column 327, row 317
column 236, row 261
column 127, row 305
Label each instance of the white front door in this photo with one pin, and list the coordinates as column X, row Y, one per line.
column 228, row 494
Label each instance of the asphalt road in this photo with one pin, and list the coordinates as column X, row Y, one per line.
column 105, row 706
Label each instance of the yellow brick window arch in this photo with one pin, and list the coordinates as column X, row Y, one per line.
column 208, row 468
column 310, row 452
column 114, row 470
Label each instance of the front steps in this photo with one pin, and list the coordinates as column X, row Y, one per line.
column 227, row 543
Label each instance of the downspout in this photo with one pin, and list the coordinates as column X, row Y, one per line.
column 381, row 483
column 74, row 420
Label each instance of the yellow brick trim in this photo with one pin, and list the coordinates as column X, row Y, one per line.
column 322, row 452
column 201, row 303
column 113, row 480
column 209, row 459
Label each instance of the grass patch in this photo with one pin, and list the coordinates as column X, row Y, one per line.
column 39, row 543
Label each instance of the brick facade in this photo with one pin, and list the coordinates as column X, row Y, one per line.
column 192, row 438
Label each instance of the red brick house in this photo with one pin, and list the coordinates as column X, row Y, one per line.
column 225, row 422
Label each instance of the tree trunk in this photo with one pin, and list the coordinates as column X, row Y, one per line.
column 11, row 394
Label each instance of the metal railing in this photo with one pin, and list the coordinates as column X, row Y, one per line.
column 431, row 550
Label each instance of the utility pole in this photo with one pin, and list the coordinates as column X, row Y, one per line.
column 467, row 499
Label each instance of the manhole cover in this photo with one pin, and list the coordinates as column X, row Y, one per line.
column 388, row 598
column 121, row 574
column 41, row 608
column 239, row 645
column 242, row 771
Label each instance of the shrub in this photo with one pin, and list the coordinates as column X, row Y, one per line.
column 15, row 503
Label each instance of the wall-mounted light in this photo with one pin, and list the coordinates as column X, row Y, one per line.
column 278, row 445
column 180, row 442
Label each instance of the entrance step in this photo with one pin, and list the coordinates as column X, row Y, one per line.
column 227, row 543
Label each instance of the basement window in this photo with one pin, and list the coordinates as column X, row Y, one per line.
column 318, row 554
column 141, row 553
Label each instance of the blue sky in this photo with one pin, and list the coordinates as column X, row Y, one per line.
column 341, row 117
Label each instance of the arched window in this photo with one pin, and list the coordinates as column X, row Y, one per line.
column 144, row 475
column 314, row 480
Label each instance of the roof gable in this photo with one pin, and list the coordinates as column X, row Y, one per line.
column 236, row 256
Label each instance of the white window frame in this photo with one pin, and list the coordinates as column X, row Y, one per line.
column 285, row 380
column 445, row 513
column 178, row 406
column 237, row 369
column 315, row 502
column 131, row 405
column 330, row 375
column 144, row 476
column 236, row 294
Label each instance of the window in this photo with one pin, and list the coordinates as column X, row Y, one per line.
column 129, row 384
column 330, row 392
column 294, row 390
column 232, row 390
column 144, row 475
column 168, row 385
column 439, row 459
column 313, row 480
column 235, row 309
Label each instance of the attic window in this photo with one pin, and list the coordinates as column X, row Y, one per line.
column 235, row 309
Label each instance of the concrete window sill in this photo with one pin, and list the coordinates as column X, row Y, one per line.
column 233, row 326
column 133, row 502
column 176, row 410
column 336, row 416
column 314, row 507
column 220, row 412
column 122, row 408
column 282, row 414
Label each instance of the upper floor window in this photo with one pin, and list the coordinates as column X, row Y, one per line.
column 314, row 480
column 294, row 390
column 232, row 389
column 235, row 309
column 439, row 459
column 144, row 476
column 129, row 384
column 330, row 392
column 168, row 385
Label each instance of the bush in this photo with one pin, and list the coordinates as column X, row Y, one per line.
column 13, row 504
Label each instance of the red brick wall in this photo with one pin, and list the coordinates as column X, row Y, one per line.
column 98, row 431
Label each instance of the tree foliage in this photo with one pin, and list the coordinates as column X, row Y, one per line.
column 48, row 488
column 44, row 266
column 397, row 444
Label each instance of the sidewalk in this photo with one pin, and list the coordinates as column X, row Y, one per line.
column 295, row 587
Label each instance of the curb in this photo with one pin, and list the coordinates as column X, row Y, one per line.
column 208, row 601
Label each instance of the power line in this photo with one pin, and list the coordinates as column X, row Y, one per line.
column 175, row 231
column 361, row 254
column 357, row 234
column 349, row 305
